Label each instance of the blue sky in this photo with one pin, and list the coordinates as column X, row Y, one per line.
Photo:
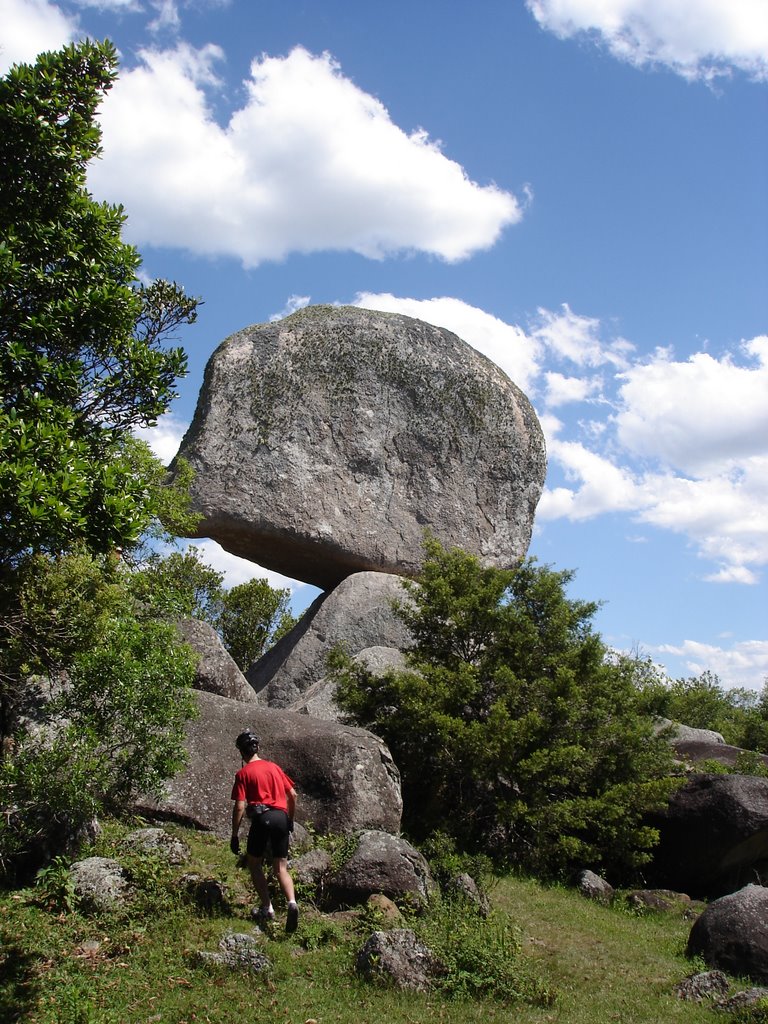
column 578, row 188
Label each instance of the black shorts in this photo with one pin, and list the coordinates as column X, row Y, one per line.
column 270, row 827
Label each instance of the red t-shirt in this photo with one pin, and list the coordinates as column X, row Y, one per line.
column 262, row 782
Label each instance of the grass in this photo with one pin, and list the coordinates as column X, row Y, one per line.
column 59, row 966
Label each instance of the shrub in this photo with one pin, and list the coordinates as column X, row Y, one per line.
column 512, row 730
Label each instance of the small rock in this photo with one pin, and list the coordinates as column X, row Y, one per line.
column 158, row 843
column 593, row 887
column 702, row 986
column 399, row 957
column 741, row 1000
column 100, row 883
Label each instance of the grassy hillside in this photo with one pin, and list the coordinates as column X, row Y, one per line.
column 59, row 966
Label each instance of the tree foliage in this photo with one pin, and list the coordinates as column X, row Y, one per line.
column 511, row 729
column 702, row 702
column 82, row 359
column 254, row 616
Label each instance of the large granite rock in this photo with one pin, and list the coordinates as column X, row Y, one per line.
column 326, row 443
column 382, row 863
column 345, row 777
column 732, row 934
column 713, row 836
column 216, row 670
column 357, row 614
column 319, row 700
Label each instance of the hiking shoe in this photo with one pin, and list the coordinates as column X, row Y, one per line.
column 292, row 920
column 262, row 916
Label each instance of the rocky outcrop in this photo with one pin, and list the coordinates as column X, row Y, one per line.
column 386, row 864
column 732, row 934
column 326, row 443
column 100, row 884
column 156, row 842
column 696, row 750
column 399, row 958
column 216, row 670
column 345, row 776
column 713, row 836
column 319, row 700
column 356, row 615
column 237, row 951
column 593, row 887
column 677, row 732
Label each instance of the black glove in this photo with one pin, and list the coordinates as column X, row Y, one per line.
column 234, row 845
column 290, row 824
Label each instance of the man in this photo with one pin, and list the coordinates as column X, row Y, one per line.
column 267, row 795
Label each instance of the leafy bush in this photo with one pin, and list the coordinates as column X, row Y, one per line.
column 482, row 959
column 512, row 730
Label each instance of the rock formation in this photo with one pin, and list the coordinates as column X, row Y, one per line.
column 357, row 614
column 713, row 836
column 216, row 670
column 326, row 443
column 732, row 933
column 345, row 776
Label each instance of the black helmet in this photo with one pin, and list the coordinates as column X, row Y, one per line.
column 247, row 743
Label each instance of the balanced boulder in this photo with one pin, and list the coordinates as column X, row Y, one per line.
column 328, row 442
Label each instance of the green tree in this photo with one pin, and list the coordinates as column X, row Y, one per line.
column 81, row 354
column 254, row 616
column 512, row 730
column 179, row 585
column 95, row 696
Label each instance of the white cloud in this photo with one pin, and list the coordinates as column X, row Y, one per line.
column 165, row 438
column 292, row 305
column 309, row 163
column 240, row 570
column 744, row 664
column 562, row 390
column 700, row 416
column 698, row 40
column 651, row 425
column 577, row 339
column 30, row 27
column 507, row 345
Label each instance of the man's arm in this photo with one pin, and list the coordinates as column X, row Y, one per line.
column 238, row 810
column 290, row 799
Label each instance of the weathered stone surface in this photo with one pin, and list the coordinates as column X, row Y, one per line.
column 465, row 886
column 695, row 751
column 732, row 933
column 100, row 883
column 158, row 843
column 664, row 901
column 325, row 443
column 398, row 957
column 706, row 985
column 312, row 867
column 216, row 670
column 385, row 864
column 593, row 887
column 676, row 731
column 345, row 777
column 713, row 835
column 319, row 700
column 238, row 952
column 745, row 1000
column 357, row 614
